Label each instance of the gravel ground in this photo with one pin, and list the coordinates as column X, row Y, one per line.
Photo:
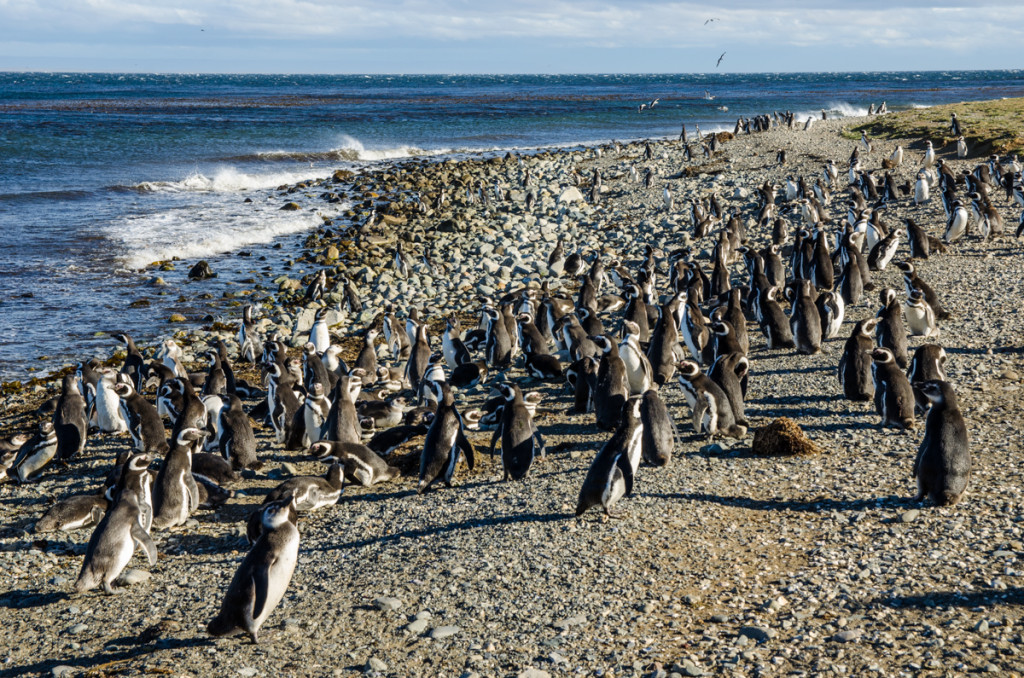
column 723, row 562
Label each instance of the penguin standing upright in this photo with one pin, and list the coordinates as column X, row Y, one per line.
column 237, row 440
column 445, row 440
column 419, row 358
column 639, row 374
column 121, row 530
column 175, row 493
column 144, row 423
column 69, row 420
column 134, row 366
column 520, row 442
column 611, row 388
column 610, row 476
column 710, row 408
column 943, row 464
column 894, row 398
column 804, row 319
column 890, row 331
column 248, row 337
column 920, row 317
column 262, row 578
column 774, row 324
column 855, row 374
column 109, row 417
column 319, row 333
column 658, row 440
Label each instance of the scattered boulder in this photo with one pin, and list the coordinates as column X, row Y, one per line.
column 782, row 438
column 201, row 271
column 291, row 207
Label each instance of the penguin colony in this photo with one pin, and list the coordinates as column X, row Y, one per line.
column 630, row 332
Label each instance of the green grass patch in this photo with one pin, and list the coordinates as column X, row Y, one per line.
column 989, row 126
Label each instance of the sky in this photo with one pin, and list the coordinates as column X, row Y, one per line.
column 507, row 36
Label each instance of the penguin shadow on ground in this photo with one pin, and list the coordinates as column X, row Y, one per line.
column 798, row 413
column 100, row 663
column 24, row 599
column 841, row 426
column 194, row 542
column 806, row 369
column 460, row 526
column 801, row 506
column 973, row 599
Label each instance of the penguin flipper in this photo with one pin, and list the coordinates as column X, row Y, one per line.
column 144, row 541
column 700, row 407
column 261, row 585
column 467, row 448
column 494, row 438
column 627, row 472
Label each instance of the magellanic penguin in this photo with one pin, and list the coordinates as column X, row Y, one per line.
column 120, row 531
column 831, row 309
column 175, row 494
column 894, row 398
column 774, row 323
column 361, row 464
column 307, row 493
column 74, row 513
column 928, row 364
column 445, row 440
column 237, row 440
column 890, row 331
column 855, row 374
column 639, row 374
column 134, row 366
column 521, row 443
column 319, row 333
column 911, row 281
column 260, row 582
column 658, row 440
column 943, row 464
column 248, row 337
column 710, row 408
column 804, row 319
column 730, row 371
column 36, row 453
column 610, row 476
column 611, row 388
column 144, row 423
column 109, row 417
column 920, row 317
column 957, row 222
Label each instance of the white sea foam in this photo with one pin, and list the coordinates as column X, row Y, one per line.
column 230, row 180
column 194, row 231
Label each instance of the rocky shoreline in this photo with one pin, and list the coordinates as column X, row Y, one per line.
column 724, row 562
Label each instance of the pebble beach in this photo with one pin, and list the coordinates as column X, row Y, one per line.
column 725, row 562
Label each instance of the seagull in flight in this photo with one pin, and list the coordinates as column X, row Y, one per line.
column 720, row 59
column 710, row 20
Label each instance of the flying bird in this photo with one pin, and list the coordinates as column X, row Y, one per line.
column 720, row 59
column 710, row 20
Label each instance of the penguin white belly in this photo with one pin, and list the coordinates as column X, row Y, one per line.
column 638, row 378
column 614, row 487
column 320, row 337
column 635, row 449
column 108, row 410
column 920, row 192
column 279, row 575
column 38, row 460
column 363, row 472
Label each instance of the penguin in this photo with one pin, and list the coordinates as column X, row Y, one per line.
column 543, row 366
column 445, row 441
column 120, row 531
column 831, row 309
column 883, row 251
column 213, row 467
column 109, row 417
column 664, row 339
column 921, row 188
column 342, row 423
column 911, row 281
column 639, row 374
column 144, row 423
column 261, row 580
column 556, row 260
column 360, row 462
column 573, row 264
column 822, row 274
column 804, row 319
column 521, row 444
column 351, row 301
column 419, row 358
column 317, row 287
column 611, row 388
column 455, row 351
column 468, row 375
column 175, row 494
column 956, row 223
column 315, row 412
column 855, row 374
column 729, row 372
column 74, row 513
column 774, row 323
column 69, row 420
column 319, row 334
column 307, row 493
column 709, row 405
column 890, row 331
column 610, row 476
column 920, row 317
column 237, row 440
column 658, row 439
column 894, row 398
column 248, row 337
column 850, row 284
column 386, row 442
column 943, row 463
column 917, row 239
column 134, row 366
column 211, row 495
column 927, row 364
column 36, row 453
column 581, row 377
column 282, row 402
column 397, row 340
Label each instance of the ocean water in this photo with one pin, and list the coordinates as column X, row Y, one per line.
column 102, row 174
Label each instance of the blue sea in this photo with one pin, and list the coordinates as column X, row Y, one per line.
column 103, row 174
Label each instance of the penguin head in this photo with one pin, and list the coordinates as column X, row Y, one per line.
column 602, row 342
column 882, row 356
column 887, row 296
column 905, row 266
column 277, row 513
column 867, row 326
column 507, row 391
column 916, row 298
column 320, row 313
column 936, row 391
column 688, row 369
column 123, row 390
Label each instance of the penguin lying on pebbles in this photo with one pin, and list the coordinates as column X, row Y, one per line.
column 360, row 463
column 306, row 493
